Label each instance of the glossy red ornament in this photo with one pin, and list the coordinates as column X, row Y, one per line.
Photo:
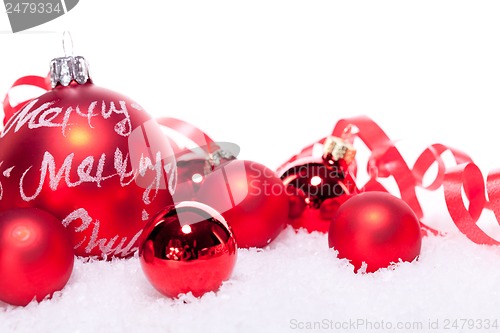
column 195, row 163
column 376, row 228
column 316, row 191
column 250, row 197
column 190, row 174
column 187, row 248
column 91, row 157
column 36, row 255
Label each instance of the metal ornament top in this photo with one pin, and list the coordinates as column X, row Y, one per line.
column 336, row 148
column 67, row 69
column 64, row 70
column 214, row 159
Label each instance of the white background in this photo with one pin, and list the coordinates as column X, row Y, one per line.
column 274, row 76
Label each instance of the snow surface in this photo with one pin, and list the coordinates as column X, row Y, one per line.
column 296, row 280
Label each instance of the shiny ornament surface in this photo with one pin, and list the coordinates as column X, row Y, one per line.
column 187, row 248
column 376, row 228
column 190, row 173
column 36, row 255
column 193, row 164
column 91, row 157
column 250, row 197
column 316, row 191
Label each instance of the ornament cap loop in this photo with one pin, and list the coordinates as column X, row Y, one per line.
column 336, row 148
column 67, row 41
column 65, row 70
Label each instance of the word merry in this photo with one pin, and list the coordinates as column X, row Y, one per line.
column 87, row 172
column 48, row 115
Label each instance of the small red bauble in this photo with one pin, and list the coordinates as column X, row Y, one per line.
column 375, row 228
column 316, row 190
column 187, row 248
column 189, row 176
column 91, row 157
column 251, row 198
column 36, row 255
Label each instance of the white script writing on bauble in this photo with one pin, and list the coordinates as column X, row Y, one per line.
column 87, row 172
column 91, row 170
column 104, row 245
column 48, row 115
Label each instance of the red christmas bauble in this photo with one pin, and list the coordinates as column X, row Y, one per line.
column 187, row 248
column 250, row 197
column 195, row 163
column 91, row 157
column 36, row 255
column 190, row 174
column 316, row 191
column 375, row 228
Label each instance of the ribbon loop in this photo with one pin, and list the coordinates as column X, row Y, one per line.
column 31, row 80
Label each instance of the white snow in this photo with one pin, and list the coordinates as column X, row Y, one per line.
column 296, row 281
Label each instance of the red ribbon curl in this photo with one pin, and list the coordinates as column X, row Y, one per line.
column 389, row 162
column 31, row 80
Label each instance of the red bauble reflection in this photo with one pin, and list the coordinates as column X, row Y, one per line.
column 190, row 173
column 187, row 248
column 36, row 255
column 314, row 219
column 251, row 198
column 376, row 228
column 316, row 191
column 195, row 163
column 92, row 158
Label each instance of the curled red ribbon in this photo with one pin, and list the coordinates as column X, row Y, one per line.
column 31, row 80
column 386, row 159
column 389, row 162
column 187, row 130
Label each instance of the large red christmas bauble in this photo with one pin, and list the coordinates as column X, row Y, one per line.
column 250, row 197
column 91, row 157
column 36, row 255
column 375, row 228
column 187, row 248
